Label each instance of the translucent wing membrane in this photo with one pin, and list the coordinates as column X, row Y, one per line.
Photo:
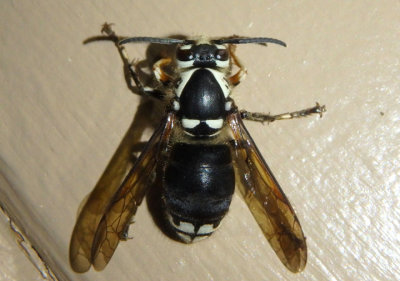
column 265, row 199
column 96, row 236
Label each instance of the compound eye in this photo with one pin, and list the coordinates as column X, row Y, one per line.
column 221, row 54
column 185, row 53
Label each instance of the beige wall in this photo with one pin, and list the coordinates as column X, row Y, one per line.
column 64, row 108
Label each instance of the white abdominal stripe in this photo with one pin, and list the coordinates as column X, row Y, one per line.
column 187, row 231
column 215, row 123
column 189, row 123
column 212, row 123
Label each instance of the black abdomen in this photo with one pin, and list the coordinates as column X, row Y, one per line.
column 198, row 186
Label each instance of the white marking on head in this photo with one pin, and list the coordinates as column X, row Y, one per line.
column 189, row 123
column 215, row 123
column 184, row 64
column 222, row 63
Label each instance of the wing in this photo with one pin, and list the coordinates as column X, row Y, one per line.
column 266, row 200
column 99, row 229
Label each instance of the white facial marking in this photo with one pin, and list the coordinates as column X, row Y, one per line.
column 206, row 229
column 184, row 64
column 215, row 123
column 222, row 63
column 225, row 63
column 190, row 123
column 176, row 106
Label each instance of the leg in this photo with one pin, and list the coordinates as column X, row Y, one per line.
column 130, row 67
column 241, row 74
column 260, row 117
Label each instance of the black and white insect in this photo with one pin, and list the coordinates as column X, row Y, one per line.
column 202, row 150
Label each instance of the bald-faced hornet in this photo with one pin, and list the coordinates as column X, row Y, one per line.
column 202, row 150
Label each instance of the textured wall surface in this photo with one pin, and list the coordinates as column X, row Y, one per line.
column 65, row 107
